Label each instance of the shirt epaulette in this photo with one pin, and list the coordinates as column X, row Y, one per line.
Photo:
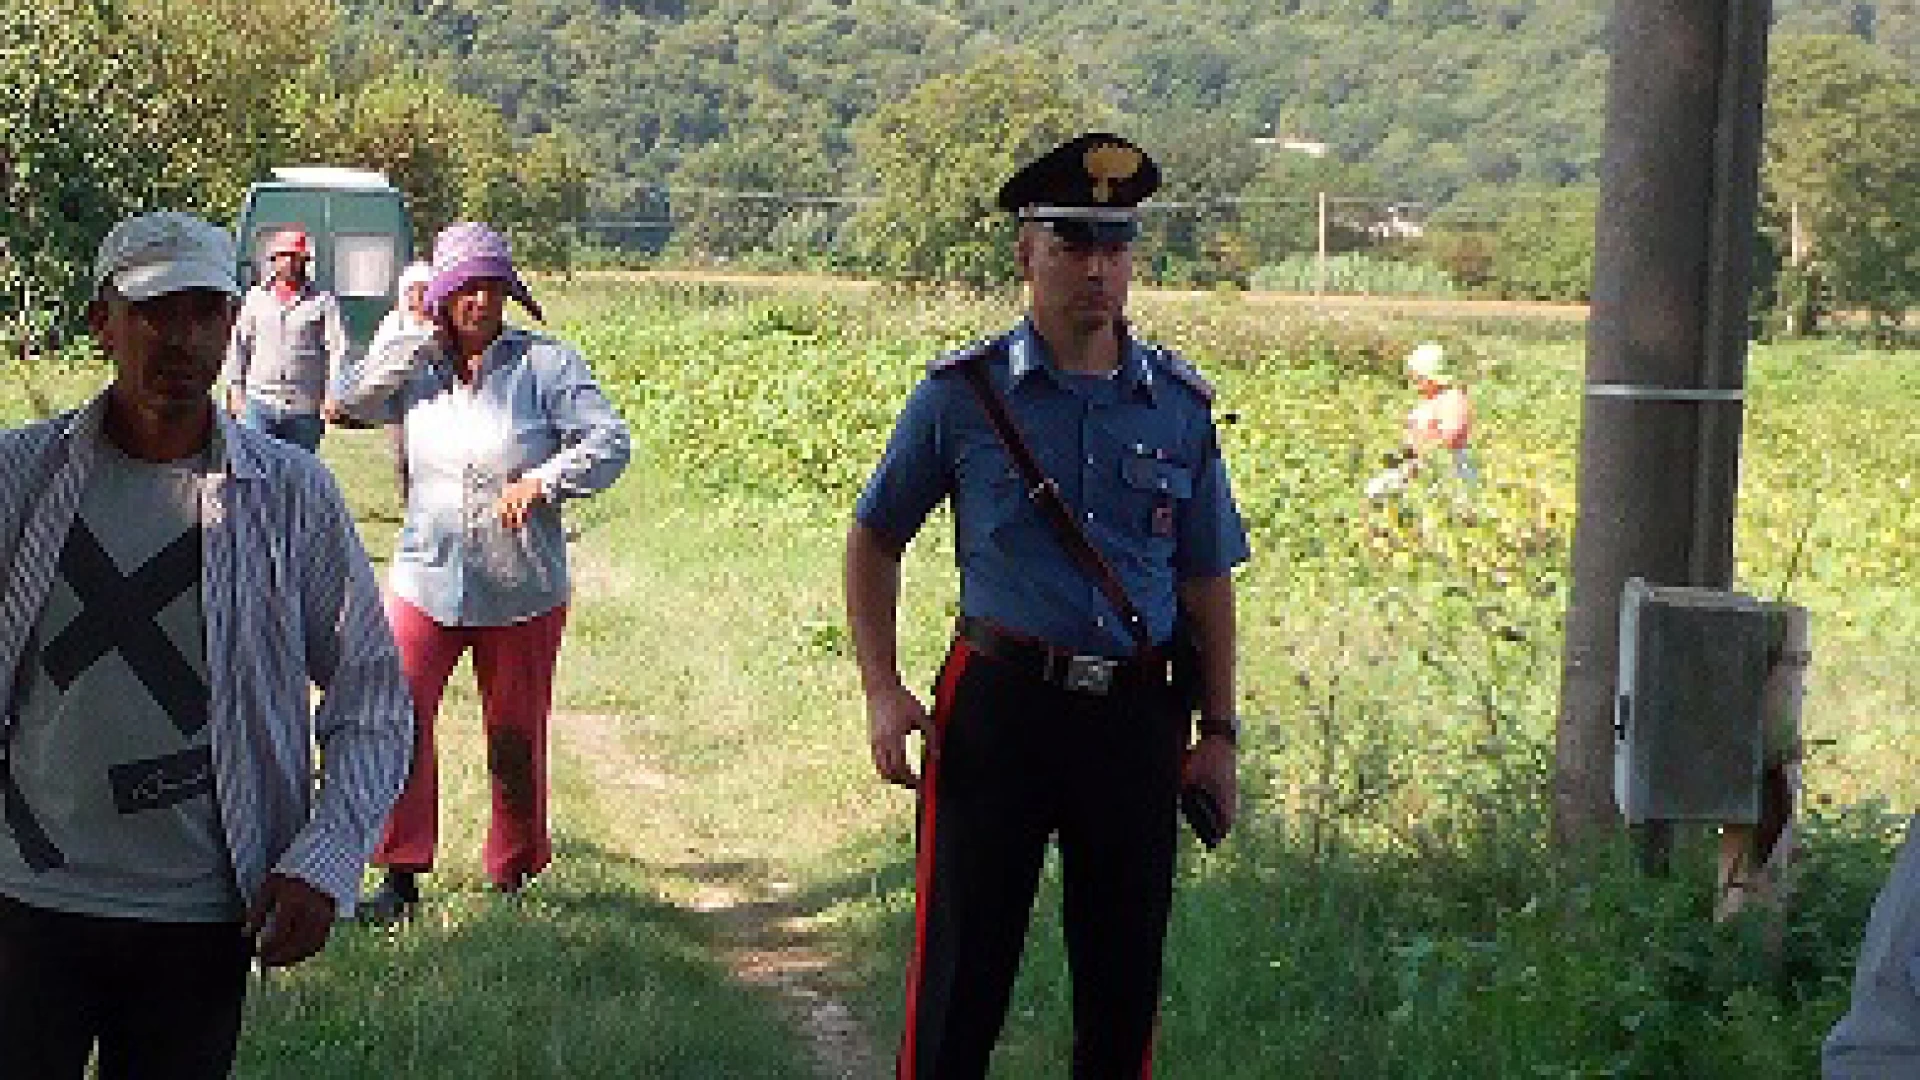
column 948, row 361
column 1190, row 376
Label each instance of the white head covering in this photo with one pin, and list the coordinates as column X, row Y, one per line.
column 1428, row 361
column 417, row 273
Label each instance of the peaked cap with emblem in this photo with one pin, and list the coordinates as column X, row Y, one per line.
column 1085, row 190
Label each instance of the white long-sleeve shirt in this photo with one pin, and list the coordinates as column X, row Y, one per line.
column 395, row 323
column 290, row 604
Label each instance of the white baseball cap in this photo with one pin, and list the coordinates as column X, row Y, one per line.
column 1429, row 362
column 154, row 254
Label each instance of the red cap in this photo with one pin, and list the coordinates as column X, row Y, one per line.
column 290, row 242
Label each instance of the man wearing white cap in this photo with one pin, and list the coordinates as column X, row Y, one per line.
column 1441, row 421
column 289, row 346
column 1443, row 417
column 173, row 587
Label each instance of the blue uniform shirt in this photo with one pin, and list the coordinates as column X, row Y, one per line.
column 1136, row 459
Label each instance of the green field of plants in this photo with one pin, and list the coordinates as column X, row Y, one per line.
column 1390, row 908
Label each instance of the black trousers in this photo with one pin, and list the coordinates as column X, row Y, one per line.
column 1017, row 763
column 162, row 1000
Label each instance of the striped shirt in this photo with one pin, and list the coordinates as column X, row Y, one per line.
column 290, row 604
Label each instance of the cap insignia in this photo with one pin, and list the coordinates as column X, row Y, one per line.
column 1107, row 163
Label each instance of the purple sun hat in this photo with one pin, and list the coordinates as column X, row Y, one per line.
column 469, row 251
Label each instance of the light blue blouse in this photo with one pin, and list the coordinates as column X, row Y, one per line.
column 534, row 410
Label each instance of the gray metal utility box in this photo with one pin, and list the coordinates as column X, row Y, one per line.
column 1690, row 726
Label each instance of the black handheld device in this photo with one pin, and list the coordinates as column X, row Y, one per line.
column 1203, row 815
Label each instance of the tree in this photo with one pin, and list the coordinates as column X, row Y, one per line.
column 730, row 196
column 1282, row 216
column 453, row 157
column 937, row 158
column 211, row 73
column 116, row 106
column 1838, row 164
column 552, row 196
column 75, row 157
column 421, row 134
column 1543, row 244
column 1203, row 160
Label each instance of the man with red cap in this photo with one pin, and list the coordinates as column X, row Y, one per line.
column 287, row 348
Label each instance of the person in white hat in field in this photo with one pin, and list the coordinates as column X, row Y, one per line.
column 1443, row 418
column 1441, row 422
column 173, row 589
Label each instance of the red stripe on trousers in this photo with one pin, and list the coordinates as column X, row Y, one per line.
column 923, row 860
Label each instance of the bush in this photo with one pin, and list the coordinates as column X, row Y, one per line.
column 1544, row 251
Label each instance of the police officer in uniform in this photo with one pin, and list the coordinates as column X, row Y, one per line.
column 1046, row 723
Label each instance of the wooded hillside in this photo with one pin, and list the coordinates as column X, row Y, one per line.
column 1436, row 96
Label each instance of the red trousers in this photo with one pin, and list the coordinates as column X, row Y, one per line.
column 514, row 667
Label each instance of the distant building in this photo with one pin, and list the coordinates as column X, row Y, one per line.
column 1294, row 143
column 1401, row 221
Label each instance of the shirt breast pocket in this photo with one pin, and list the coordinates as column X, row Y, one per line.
column 1003, row 499
column 990, row 498
column 1155, row 488
column 308, row 328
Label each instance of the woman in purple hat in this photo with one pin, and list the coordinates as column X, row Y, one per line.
column 502, row 425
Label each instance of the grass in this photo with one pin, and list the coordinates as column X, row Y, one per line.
column 1391, row 907
column 604, row 968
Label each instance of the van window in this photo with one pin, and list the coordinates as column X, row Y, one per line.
column 363, row 264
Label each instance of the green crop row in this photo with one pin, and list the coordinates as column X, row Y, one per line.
column 1353, row 273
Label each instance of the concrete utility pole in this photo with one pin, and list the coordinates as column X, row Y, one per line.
column 1666, row 349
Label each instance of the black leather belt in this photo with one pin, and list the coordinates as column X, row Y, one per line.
column 1096, row 675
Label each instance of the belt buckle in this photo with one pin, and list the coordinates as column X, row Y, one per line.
column 1089, row 674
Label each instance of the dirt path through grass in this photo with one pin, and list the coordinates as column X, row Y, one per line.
column 755, row 920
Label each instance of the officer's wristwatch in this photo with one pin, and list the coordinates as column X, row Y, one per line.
column 1221, row 727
